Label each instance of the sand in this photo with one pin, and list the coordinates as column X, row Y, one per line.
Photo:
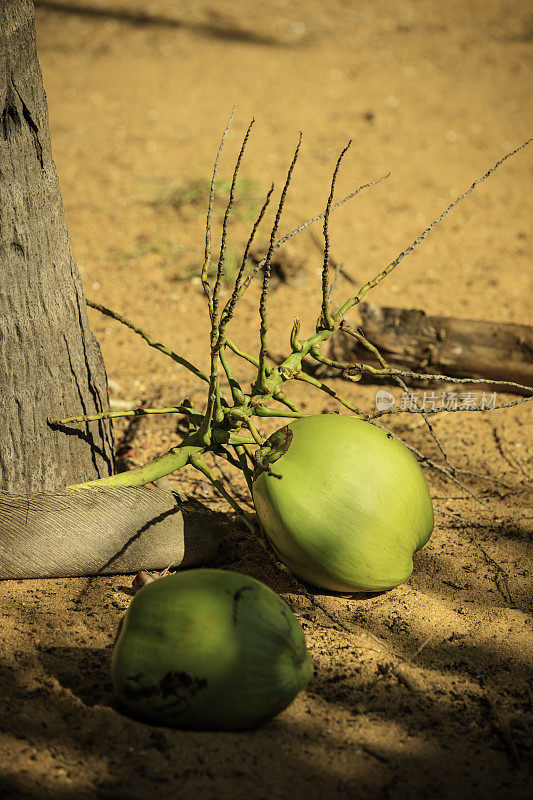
column 434, row 93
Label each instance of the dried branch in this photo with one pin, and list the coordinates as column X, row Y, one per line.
column 513, row 462
column 504, row 575
column 444, row 470
column 373, row 349
column 489, row 478
column 448, row 379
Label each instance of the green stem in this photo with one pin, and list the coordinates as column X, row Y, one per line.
column 302, row 376
column 253, row 430
column 281, row 397
column 214, row 406
column 263, row 411
column 175, row 459
column 241, row 353
column 202, row 467
column 221, row 452
column 327, row 320
column 236, row 391
column 229, row 308
column 207, row 253
column 134, row 412
column 296, row 344
column 317, row 355
column 262, row 372
column 241, row 455
column 234, row 439
column 368, row 346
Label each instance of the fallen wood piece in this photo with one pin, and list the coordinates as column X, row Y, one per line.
column 412, row 340
column 103, row 532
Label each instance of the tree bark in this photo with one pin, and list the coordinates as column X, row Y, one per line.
column 50, row 362
column 51, row 365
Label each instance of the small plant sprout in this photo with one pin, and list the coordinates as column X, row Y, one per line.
column 226, row 425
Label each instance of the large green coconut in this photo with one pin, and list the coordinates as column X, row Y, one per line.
column 209, row 649
column 347, row 505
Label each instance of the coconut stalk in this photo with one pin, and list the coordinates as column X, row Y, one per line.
column 226, row 425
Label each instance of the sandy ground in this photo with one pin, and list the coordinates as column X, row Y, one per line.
column 434, row 93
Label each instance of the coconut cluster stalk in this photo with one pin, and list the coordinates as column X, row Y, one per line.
column 226, row 426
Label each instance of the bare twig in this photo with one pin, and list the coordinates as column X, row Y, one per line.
column 393, row 264
column 229, row 308
column 326, row 318
column 373, row 349
column 495, row 407
column 150, row 340
column 216, row 339
column 303, row 226
column 449, row 379
column 266, row 273
column 489, row 478
column 134, row 412
column 207, row 254
column 445, row 471
column 513, row 463
column 500, row 571
column 462, row 520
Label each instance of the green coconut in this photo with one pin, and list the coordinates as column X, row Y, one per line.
column 209, row 650
column 346, row 505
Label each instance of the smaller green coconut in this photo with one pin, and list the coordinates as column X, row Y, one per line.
column 210, row 650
